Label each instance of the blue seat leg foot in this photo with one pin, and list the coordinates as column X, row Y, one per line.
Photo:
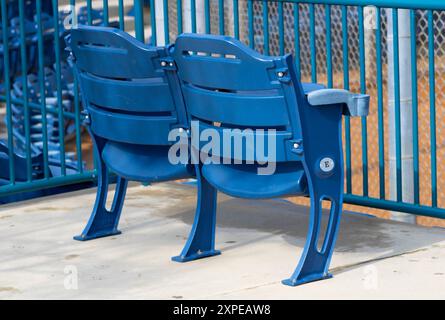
column 103, row 222
column 314, row 263
column 201, row 242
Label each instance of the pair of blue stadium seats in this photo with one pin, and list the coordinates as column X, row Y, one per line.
column 136, row 94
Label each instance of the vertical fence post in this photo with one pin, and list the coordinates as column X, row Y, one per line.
column 121, row 13
column 24, row 65
column 41, row 73
column 194, row 17
column 400, row 96
column 106, row 12
column 139, row 19
column 7, row 86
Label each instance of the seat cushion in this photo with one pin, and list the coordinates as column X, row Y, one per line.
column 243, row 181
column 143, row 163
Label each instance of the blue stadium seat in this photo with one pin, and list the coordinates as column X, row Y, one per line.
column 226, row 85
column 131, row 110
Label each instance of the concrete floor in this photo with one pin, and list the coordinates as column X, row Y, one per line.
column 261, row 242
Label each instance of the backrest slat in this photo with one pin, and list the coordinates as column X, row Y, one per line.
column 237, row 109
column 221, row 63
column 136, row 95
column 144, row 130
column 110, row 53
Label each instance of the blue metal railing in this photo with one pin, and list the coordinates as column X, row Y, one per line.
column 239, row 18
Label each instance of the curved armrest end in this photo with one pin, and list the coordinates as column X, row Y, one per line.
column 356, row 105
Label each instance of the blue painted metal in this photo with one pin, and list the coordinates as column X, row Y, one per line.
column 121, row 15
column 153, row 23
column 313, row 43
column 330, row 80
column 139, row 19
column 236, row 18
column 23, row 61
column 193, row 14
column 179, row 15
column 129, row 121
column 201, row 242
column 7, row 83
column 221, row 16
column 266, row 27
column 281, row 28
column 415, row 115
column 363, row 91
column 348, row 162
column 397, row 115
column 229, row 88
column 58, row 69
column 432, row 89
column 381, row 124
column 297, row 39
column 250, row 24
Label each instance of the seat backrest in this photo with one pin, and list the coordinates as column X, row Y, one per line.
column 228, row 85
column 128, row 93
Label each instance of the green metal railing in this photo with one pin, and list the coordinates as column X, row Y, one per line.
column 366, row 183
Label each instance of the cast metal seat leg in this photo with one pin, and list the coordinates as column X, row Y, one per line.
column 103, row 222
column 323, row 164
column 314, row 262
column 201, row 241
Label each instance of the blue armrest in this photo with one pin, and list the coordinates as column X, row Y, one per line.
column 357, row 105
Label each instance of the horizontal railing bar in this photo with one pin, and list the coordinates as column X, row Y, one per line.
column 406, row 4
column 41, row 184
column 415, row 209
column 38, row 106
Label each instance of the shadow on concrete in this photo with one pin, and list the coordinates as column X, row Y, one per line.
column 362, row 234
